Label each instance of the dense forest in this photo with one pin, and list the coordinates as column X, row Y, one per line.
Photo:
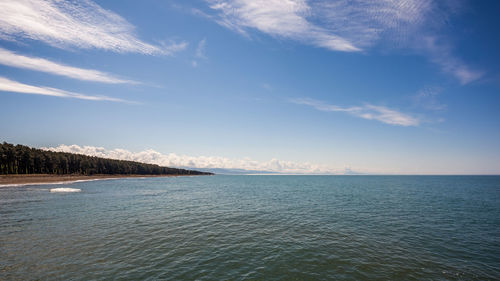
column 20, row 159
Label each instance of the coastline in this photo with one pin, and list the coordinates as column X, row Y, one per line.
column 45, row 179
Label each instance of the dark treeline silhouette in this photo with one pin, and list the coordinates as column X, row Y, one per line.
column 20, row 159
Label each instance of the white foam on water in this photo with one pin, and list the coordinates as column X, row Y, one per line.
column 76, row 181
column 52, row 183
column 37, row 189
column 35, row 183
column 65, row 189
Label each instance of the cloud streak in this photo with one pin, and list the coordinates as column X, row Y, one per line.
column 7, row 85
column 286, row 19
column 336, row 25
column 39, row 64
column 183, row 161
column 441, row 55
column 200, row 49
column 82, row 24
column 428, row 99
column 200, row 52
column 350, row 25
column 367, row 111
column 364, row 22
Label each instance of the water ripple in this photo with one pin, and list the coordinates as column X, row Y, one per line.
column 255, row 228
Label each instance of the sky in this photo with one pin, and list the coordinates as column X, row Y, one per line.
column 287, row 86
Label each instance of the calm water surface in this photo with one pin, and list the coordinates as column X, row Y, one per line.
column 254, row 228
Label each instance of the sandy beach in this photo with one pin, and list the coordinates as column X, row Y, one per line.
column 13, row 180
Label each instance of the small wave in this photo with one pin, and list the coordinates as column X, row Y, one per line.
column 37, row 189
column 35, row 183
column 65, row 189
column 52, row 183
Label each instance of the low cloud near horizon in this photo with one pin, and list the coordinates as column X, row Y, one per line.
column 201, row 162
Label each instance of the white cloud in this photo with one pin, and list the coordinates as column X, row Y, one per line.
column 81, row 24
column 367, row 111
column 364, row 22
column 350, row 25
column 287, row 19
column 336, row 25
column 7, row 85
column 441, row 54
column 174, row 160
column 427, row 98
column 39, row 64
column 200, row 50
column 199, row 53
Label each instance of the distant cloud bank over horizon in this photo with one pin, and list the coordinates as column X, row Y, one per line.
column 200, row 162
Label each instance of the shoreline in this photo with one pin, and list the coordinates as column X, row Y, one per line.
column 46, row 179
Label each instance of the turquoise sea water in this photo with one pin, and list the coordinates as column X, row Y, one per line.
column 254, row 228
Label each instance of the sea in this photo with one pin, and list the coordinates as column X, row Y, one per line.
column 268, row 227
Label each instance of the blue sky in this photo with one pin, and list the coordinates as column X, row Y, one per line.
column 392, row 87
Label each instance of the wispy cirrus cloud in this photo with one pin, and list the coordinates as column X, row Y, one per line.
column 39, row 64
column 350, row 25
column 286, row 19
column 7, row 85
column 367, row 111
column 428, row 99
column 200, row 52
column 184, row 161
column 442, row 55
column 336, row 25
column 81, row 24
column 200, row 49
column 366, row 22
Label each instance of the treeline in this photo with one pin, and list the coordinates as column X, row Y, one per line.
column 20, row 159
